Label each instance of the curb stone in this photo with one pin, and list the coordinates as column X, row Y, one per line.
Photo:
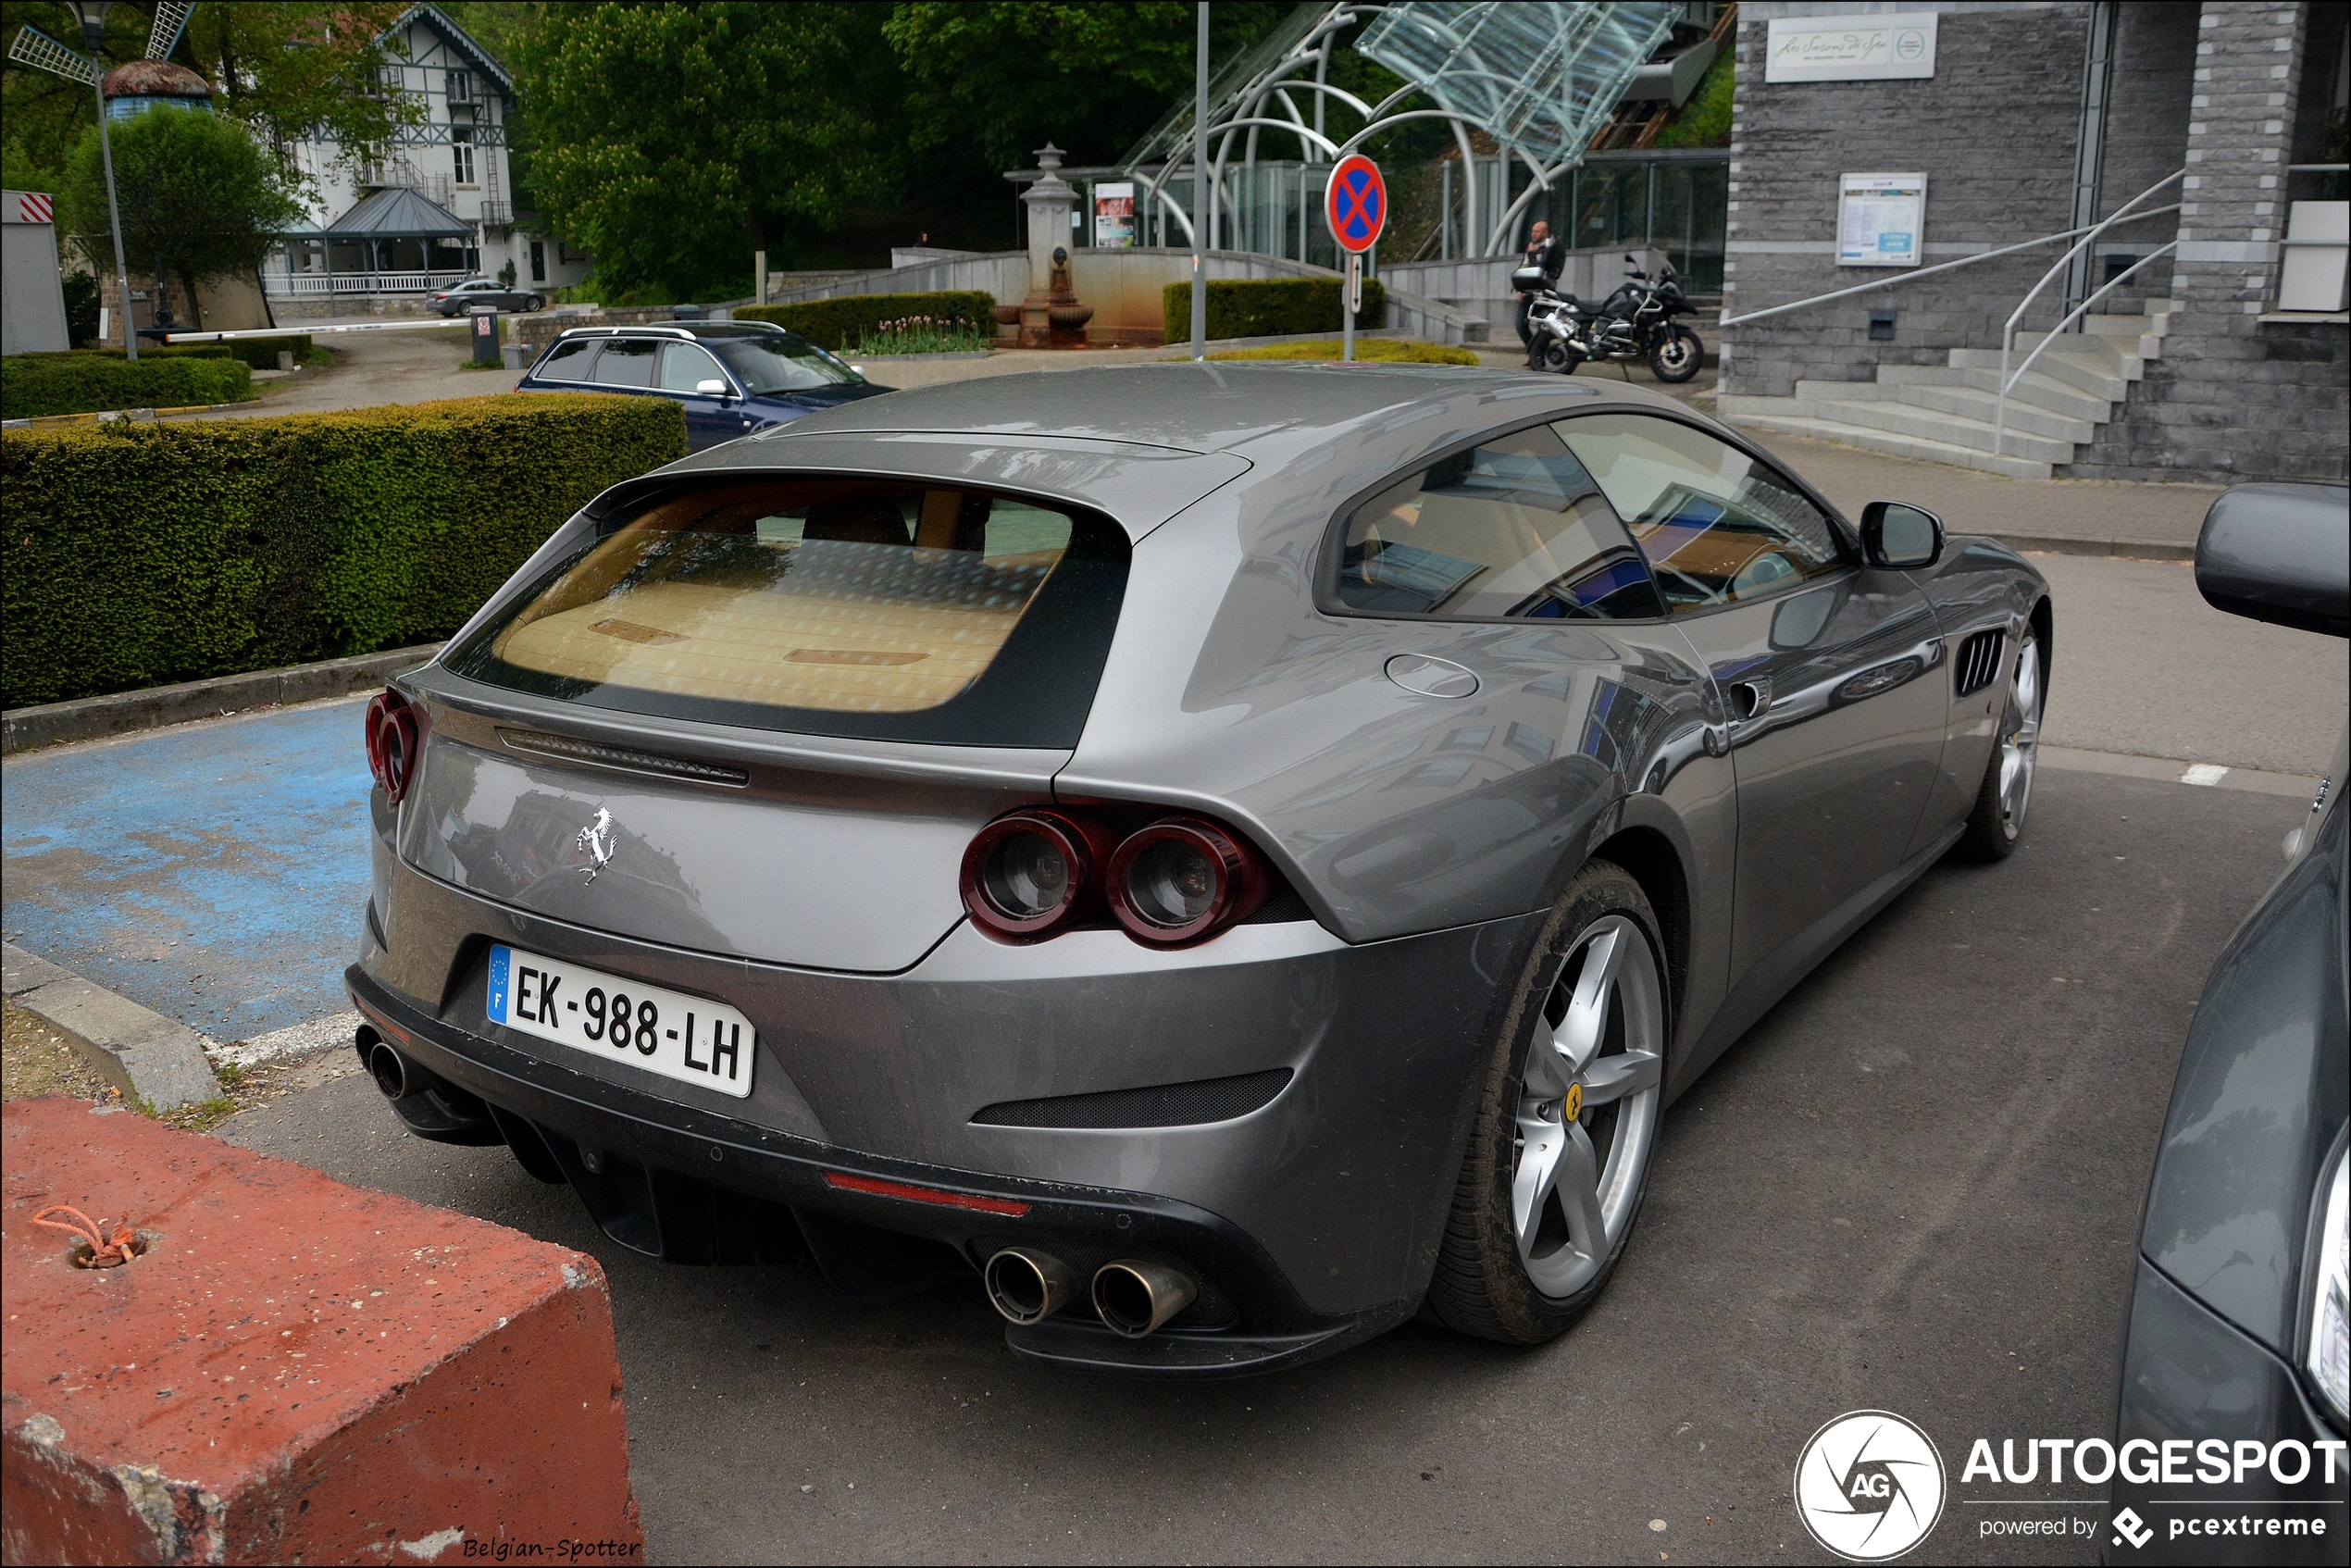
column 141, row 1052
column 89, row 719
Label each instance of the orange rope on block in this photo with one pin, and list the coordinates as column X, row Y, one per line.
column 103, row 1253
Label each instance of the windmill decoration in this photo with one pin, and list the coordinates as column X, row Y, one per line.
column 132, row 86
column 136, row 85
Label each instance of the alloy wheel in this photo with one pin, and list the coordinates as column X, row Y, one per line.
column 2020, row 738
column 1588, row 1107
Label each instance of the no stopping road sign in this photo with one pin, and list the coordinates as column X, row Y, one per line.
column 1355, row 203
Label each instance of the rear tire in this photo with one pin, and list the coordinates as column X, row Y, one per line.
column 1997, row 820
column 1676, row 356
column 1559, row 1153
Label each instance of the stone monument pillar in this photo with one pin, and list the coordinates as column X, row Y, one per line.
column 1051, row 313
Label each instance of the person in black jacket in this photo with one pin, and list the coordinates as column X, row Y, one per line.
column 1543, row 251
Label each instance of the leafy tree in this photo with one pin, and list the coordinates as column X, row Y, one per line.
column 673, row 140
column 286, row 69
column 1003, row 76
column 298, row 70
column 199, row 198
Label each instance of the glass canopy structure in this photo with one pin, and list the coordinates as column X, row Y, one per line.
column 1540, row 77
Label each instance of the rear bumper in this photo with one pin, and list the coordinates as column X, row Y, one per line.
column 688, row 1164
column 1311, row 1220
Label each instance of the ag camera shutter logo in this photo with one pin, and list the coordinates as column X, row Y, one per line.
column 1869, row 1486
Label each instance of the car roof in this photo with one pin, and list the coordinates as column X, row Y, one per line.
column 1269, row 410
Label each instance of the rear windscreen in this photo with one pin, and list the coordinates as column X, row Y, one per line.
column 826, row 606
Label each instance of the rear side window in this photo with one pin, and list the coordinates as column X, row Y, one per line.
column 627, row 362
column 568, row 363
column 828, row 606
column 1515, row 528
column 684, row 367
column 1718, row 526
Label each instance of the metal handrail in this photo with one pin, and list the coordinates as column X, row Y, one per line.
column 1999, row 427
column 1908, row 276
column 2007, row 333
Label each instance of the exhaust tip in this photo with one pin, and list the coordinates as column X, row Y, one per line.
column 388, row 1070
column 1136, row 1297
column 1027, row 1287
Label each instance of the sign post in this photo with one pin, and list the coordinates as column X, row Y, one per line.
column 1355, row 204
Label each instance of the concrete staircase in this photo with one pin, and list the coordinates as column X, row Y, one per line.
column 1944, row 412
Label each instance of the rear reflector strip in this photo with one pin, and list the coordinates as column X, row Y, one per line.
column 1009, row 1207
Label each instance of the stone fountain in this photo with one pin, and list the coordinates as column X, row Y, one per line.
column 1051, row 317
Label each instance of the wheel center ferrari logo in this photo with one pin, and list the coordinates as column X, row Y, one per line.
column 1574, row 1107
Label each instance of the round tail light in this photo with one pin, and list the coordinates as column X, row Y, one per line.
column 393, row 744
column 1033, row 873
column 1185, row 879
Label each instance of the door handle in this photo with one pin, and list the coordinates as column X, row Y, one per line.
column 1750, row 698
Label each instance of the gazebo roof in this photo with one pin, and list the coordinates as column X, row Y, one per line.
column 398, row 214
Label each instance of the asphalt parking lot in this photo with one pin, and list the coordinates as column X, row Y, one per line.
column 1914, row 1187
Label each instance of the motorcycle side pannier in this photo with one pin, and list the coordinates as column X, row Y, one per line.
column 1529, row 280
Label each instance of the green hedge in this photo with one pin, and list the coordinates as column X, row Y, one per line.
column 140, row 554
column 260, row 354
column 841, row 323
column 84, row 381
column 1269, row 307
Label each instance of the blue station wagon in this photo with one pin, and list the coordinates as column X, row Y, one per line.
column 732, row 377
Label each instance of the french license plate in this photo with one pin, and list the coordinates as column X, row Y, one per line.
column 691, row 1039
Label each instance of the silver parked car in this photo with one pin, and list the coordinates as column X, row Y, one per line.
column 1234, row 855
column 478, row 293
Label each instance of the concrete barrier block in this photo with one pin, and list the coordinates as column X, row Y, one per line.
column 292, row 1370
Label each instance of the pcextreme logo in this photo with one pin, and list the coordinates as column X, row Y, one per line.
column 1869, row 1486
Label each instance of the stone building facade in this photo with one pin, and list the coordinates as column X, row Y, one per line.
column 2042, row 117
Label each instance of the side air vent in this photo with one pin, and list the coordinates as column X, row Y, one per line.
column 1979, row 661
column 625, row 759
column 1165, row 1105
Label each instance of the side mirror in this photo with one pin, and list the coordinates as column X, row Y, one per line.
column 712, row 389
column 2279, row 552
column 1897, row 535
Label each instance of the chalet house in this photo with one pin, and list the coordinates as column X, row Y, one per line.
column 433, row 207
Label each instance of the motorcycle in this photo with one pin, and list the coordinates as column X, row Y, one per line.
column 1636, row 322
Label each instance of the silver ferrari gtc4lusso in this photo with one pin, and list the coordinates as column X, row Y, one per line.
column 1232, row 855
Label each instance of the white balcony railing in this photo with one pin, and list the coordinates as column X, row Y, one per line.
column 317, row 285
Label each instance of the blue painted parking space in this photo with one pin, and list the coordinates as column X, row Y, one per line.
column 215, row 872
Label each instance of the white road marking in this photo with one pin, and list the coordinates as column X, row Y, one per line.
column 2203, row 773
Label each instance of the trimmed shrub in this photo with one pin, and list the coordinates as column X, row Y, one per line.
column 83, row 382
column 839, row 324
column 258, row 353
column 140, row 554
column 1269, row 307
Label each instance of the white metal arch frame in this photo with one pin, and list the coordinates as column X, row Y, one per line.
column 1258, row 91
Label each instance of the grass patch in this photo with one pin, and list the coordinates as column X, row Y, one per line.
column 1375, row 351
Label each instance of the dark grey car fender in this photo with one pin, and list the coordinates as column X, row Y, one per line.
column 2264, row 1090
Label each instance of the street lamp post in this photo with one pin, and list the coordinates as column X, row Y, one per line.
column 92, row 15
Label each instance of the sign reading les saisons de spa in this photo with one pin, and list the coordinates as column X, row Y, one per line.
column 1863, row 48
